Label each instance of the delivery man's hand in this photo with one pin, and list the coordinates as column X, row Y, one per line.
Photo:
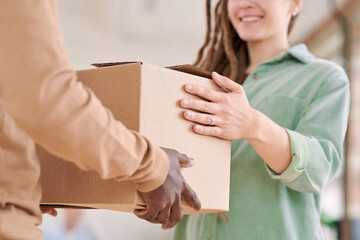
column 164, row 203
column 50, row 211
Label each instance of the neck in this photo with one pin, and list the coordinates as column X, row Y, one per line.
column 261, row 51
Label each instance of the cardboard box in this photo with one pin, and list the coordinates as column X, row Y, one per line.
column 144, row 98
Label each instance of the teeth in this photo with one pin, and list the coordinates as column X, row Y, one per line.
column 250, row 19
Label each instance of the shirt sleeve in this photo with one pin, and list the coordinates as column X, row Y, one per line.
column 317, row 142
column 41, row 93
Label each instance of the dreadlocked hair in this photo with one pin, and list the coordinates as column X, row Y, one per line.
column 223, row 51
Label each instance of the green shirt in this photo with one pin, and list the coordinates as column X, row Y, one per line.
column 309, row 98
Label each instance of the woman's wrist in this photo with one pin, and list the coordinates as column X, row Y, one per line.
column 270, row 141
column 254, row 129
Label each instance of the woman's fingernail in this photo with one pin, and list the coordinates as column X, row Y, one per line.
column 188, row 87
column 188, row 114
column 217, row 76
column 184, row 102
column 197, row 128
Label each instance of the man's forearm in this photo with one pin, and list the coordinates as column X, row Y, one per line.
column 41, row 92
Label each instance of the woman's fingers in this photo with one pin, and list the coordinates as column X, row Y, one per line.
column 200, row 105
column 208, row 130
column 209, row 123
column 226, row 83
column 203, row 92
column 202, row 118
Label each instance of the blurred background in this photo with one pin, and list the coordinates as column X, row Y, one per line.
column 169, row 32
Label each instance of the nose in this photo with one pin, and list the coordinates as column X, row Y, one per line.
column 244, row 3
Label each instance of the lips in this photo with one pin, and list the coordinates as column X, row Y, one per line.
column 250, row 19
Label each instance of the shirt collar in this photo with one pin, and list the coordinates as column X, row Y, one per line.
column 298, row 52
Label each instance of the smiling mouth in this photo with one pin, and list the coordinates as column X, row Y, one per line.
column 250, row 19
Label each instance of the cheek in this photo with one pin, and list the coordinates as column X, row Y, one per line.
column 278, row 14
column 280, row 21
column 233, row 21
column 232, row 9
column 232, row 12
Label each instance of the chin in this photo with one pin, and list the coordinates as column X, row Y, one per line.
column 249, row 38
column 248, row 35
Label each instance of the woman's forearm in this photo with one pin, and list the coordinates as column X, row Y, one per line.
column 271, row 142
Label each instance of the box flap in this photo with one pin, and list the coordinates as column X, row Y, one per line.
column 109, row 64
column 191, row 69
column 186, row 68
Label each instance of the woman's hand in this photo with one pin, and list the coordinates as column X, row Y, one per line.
column 233, row 118
column 225, row 115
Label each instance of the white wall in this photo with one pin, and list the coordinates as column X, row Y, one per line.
column 111, row 225
column 314, row 12
column 162, row 32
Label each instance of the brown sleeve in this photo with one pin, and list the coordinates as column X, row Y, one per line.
column 41, row 93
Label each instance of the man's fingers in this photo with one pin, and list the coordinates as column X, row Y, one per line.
column 139, row 212
column 50, row 211
column 163, row 216
column 176, row 215
column 146, row 214
column 190, row 196
column 185, row 161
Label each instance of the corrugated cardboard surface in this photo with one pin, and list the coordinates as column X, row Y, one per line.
column 145, row 98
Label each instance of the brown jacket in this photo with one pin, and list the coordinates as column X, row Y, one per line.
column 41, row 101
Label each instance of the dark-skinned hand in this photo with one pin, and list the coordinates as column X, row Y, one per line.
column 164, row 203
column 50, row 211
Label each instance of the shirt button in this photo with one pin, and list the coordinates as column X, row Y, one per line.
column 256, row 76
